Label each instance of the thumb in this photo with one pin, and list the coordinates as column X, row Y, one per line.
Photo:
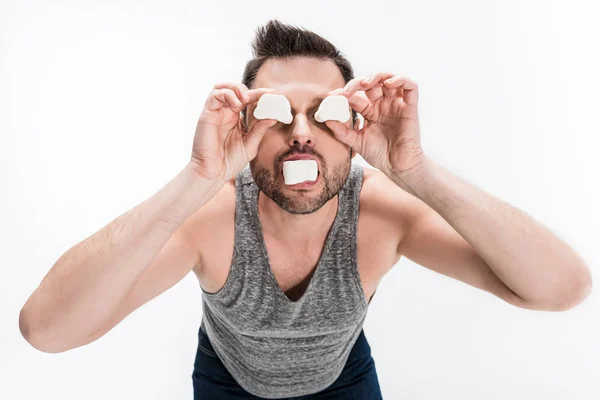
column 254, row 136
column 343, row 133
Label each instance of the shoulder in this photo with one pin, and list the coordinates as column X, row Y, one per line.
column 214, row 220
column 379, row 191
column 385, row 203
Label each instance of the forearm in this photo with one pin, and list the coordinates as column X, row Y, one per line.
column 85, row 287
column 526, row 256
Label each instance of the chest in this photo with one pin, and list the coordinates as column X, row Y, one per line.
column 376, row 248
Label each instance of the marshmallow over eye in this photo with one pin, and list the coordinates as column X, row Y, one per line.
column 334, row 107
column 274, row 106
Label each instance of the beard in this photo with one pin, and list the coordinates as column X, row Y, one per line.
column 300, row 201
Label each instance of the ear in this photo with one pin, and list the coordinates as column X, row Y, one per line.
column 352, row 124
column 243, row 122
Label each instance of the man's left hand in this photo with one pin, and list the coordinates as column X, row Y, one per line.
column 390, row 137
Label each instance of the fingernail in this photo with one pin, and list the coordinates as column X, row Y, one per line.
column 367, row 79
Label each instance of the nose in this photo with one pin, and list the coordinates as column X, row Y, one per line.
column 301, row 134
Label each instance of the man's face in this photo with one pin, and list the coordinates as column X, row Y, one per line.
column 305, row 82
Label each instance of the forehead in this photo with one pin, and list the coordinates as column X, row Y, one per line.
column 300, row 78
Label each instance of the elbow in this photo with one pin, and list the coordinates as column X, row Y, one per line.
column 580, row 291
column 35, row 337
column 570, row 296
column 28, row 333
column 577, row 296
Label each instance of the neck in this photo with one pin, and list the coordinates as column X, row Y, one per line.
column 296, row 230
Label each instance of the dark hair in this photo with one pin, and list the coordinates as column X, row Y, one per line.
column 278, row 40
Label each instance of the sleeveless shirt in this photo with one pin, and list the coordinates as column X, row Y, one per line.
column 275, row 347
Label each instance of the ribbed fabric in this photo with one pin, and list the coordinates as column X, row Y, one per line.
column 275, row 347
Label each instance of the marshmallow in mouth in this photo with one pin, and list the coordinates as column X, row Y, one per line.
column 298, row 171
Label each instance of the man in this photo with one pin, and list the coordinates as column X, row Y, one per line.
column 287, row 274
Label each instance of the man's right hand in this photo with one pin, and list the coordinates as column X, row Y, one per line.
column 221, row 146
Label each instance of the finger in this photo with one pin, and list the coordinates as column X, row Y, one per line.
column 253, row 95
column 359, row 102
column 352, row 86
column 261, row 125
column 391, row 92
column 338, row 91
column 374, row 93
column 238, row 88
column 373, row 85
column 410, row 90
column 220, row 98
column 256, row 132
column 344, row 134
column 357, row 84
column 375, row 79
column 391, row 88
column 231, row 100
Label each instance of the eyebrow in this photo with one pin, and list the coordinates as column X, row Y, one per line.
column 315, row 101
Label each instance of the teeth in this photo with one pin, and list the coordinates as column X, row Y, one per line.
column 298, row 171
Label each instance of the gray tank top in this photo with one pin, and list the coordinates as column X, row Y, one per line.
column 275, row 347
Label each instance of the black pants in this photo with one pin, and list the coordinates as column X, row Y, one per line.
column 358, row 379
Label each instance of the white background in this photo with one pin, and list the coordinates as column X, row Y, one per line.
column 98, row 105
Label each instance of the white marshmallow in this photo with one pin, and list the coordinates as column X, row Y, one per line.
column 334, row 107
column 274, row 106
column 298, row 171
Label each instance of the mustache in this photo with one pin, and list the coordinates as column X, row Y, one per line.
column 296, row 152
